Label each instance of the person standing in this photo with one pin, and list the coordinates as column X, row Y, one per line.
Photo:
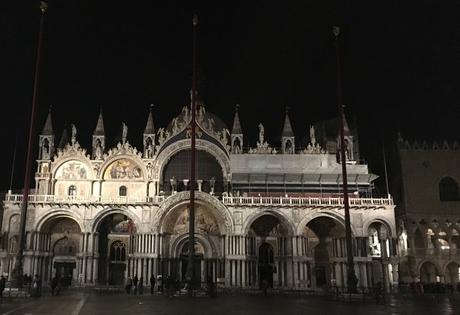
column 152, row 284
column 160, row 284
column 129, row 284
column 141, row 286
column 2, row 285
column 135, row 281
column 54, row 283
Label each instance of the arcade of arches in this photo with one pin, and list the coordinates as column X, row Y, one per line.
column 269, row 250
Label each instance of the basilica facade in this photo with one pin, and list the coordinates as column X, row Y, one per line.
column 98, row 216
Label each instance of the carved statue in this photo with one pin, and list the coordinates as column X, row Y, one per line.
column 149, row 150
column 74, row 134
column 175, row 125
column 261, row 133
column 161, row 135
column 46, row 150
column 312, row 135
column 124, row 133
column 225, row 132
column 98, row 150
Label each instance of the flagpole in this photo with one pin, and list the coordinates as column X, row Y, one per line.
column 19, row 264
column 191, row 257
column 351, row 276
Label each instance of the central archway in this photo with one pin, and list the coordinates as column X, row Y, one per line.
column 210, row 227
column 326, row 241
column 270, row 235
column 114, row 236
column 64, row 236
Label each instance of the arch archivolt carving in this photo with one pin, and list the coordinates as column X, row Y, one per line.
column 224, row 217
column 313, row 215
column 163, row 158
column 179, row 242
column 59, row 213
column 380, row 220
column 284, row 219
column 102, row 214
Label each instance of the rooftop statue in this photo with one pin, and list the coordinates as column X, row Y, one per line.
column 124, row 132
column 74, row 134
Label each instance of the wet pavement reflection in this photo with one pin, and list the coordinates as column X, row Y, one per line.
column 92, row 304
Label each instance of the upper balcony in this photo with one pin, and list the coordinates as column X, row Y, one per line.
column 229, row 201
column 52, row 199
column 306, row 201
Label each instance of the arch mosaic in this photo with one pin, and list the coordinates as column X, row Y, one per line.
column 288, row 224
column 333, row 215
column 59, row 213
column 108, row 211
column 14, row 223
column 73, row 167
column 123, row 167
column 163, row 158
column 226, row 223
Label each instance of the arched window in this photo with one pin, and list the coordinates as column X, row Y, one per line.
column 448, row 190
column 118, row 251
column 72, row 190
column 122, row 191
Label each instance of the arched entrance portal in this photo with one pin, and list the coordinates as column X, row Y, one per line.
column 452, row 273
column 326, row 237
column 65, row 237
column 428, row 273
column 184, row 261
column 208, row 260
column 266, row 264
column 114, row 239
column 269, row 234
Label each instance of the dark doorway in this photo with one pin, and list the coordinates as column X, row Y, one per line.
column 196, row 269
column 265, row 263
column 64, row 272
column 117, row 273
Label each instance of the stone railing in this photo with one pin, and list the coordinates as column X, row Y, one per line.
column 247, row 201
column 50, row 199
column 305, row 201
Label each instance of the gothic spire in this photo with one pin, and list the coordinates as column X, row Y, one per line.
column 149, row 127
column 64, row 140
column 99, row 130
column 287, row 128
column 236, row 129
column 48, row 127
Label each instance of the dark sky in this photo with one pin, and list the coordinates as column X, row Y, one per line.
column 401, row 66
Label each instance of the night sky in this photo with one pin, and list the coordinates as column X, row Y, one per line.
column 400, row 60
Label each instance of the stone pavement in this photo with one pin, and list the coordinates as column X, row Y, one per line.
column 74, row 303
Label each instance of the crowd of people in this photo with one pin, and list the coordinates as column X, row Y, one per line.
column 168, row 287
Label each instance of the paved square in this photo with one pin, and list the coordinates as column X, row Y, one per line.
column 93, row 304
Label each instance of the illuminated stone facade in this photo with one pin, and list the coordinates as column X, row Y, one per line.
column 263, row 213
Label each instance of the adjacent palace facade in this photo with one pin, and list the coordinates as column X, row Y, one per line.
column 99, row 216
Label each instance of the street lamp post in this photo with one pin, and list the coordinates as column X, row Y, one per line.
column 351, row 277
column 19, row 264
